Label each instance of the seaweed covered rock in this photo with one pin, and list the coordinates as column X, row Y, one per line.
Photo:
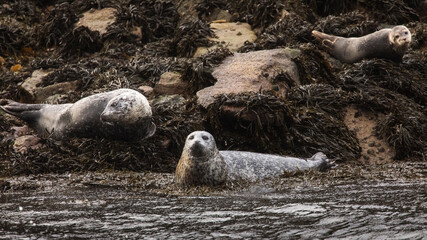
column 251, row 73
column 55, row 24
column 282, row 115
column 352, row 24
column 13, row 37
column 189, row 36
column 398, row 91
column 266, row 123
column 175, row 119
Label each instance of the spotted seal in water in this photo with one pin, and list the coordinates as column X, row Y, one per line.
column 391, row 43
column 202, row 164
column 123, row 114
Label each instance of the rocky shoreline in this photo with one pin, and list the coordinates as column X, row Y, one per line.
column 248, row 72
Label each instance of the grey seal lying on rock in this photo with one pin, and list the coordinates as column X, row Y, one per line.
column 391, row 43
column 201, row 163
column 122, row 114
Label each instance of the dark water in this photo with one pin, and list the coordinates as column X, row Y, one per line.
column 395, row 210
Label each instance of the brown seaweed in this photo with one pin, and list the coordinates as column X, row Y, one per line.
column 189, row 36
column 352, row 24
column 55, row 24
column 258, row 13
column 309, row 118
column 269, row 124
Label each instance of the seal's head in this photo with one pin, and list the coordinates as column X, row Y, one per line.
column 400, row 37
column 129, row 111
column 200, row 144
column 126, row 108
column 200, row 162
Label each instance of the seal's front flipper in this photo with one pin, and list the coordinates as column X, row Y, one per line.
column 328, row 44
column 26, row 112
column 324, row 162
column 326, row 39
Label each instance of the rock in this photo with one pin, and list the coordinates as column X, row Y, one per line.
column 30, row 92
column 59, row 89
column 21, row 131
column 250, row 73
column 176, row 102
column 98, row 20
column 146, row 91
column 364, row 123
column 137, row 31
column 56, row 99
column 187, row 11
column 23, row 143
column 15, row 132
column 29, row 86
column 219, row 14
column 171, row 83
column 231, row 35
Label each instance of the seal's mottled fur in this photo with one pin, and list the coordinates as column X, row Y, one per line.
column 202, row 164
column 123, row 114
column 391, row 43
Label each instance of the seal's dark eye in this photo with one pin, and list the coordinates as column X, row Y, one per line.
column 191, row 137
column 406, row 33
column 205, row 137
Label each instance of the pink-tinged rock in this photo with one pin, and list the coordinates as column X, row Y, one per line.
column 21, row 131
column 231, row 35
column 30, row 90
column 251, row 72
column 29, row 87
column 146, row 90
column 171, row 83
column 23, row 143
column 98, row 20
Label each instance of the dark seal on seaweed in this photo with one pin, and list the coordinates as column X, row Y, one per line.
column 391, row 43
column 201, row 163
column 122, row 114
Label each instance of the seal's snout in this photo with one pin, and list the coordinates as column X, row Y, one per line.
column 103, row 117
column 106, row 118
column 198, row 149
